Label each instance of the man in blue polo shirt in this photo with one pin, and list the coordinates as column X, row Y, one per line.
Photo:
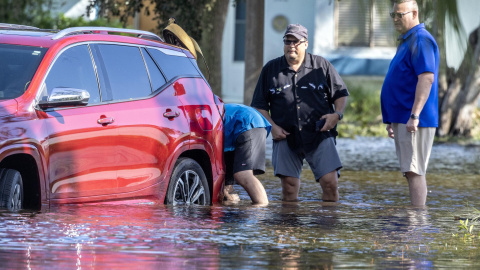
column 409, row 97
column 245, row 131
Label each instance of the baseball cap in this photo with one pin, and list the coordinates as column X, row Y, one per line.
column 297, row 30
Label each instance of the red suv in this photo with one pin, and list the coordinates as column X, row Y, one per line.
column 88, row 115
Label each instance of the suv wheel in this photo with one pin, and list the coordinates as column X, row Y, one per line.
column 11, row 189
column 188, row 184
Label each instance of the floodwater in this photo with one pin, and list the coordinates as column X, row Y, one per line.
column 372, row 226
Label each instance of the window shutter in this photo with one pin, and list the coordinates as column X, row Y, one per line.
column 383, row 30
column 364, row 23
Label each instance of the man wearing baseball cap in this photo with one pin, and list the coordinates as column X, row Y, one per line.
column 303, row 98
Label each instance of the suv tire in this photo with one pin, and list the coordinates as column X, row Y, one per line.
column 11, row 189
column 188, row 184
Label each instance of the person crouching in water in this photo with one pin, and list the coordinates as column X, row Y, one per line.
column 245, row 131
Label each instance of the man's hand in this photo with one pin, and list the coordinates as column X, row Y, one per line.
column 390, row 131
column 279, row 133
column 412, row 125
column 330, row 121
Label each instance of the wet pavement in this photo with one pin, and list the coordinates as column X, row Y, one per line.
column 371, row 227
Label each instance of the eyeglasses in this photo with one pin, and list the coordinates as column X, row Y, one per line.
column 398, row 14
column 297, row 42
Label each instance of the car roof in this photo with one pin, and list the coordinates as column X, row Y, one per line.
column 29, row 38
column 32, row 36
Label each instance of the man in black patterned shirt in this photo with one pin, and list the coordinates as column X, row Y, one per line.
column 293, row 93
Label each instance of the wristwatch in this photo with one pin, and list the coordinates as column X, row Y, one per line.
column 340, row 115
column 414, row 116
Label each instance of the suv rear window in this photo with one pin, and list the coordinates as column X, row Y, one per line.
column 17, row 67
column 173, row 65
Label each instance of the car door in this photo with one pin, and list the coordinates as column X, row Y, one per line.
column 81, row 140
column 150, row 119
column 198, row 100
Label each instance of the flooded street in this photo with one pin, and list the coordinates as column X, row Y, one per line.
column 371, row 227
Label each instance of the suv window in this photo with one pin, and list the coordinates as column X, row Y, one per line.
column 124, row 72
column 156, row 76
column 17, row 67
column 74, row 69
column 173, row 64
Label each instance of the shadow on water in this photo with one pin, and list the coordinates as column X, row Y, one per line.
column 371, row 227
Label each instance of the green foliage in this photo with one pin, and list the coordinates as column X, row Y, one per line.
column 24, row 12
column 363, row 116
column 189, row 14
column 467, row 226
column 62, row 22
column 38, row 13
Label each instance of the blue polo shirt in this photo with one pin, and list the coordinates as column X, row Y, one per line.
column 417, row 53
column 238, row 119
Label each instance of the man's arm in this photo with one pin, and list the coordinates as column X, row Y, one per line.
column 422, row 91
column 333, row 118
column 278, row 133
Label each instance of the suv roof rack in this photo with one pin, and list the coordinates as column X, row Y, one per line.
column 9, row 26
column 105, row 30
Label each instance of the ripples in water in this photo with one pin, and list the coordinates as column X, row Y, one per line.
column 372, row 226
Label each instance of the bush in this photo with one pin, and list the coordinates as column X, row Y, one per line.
column 363, row 116
column 62, row 22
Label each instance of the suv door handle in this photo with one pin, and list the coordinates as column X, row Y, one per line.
column 105, row 120
column 170, row 114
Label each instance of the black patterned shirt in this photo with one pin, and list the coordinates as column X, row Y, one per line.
column 297, row 99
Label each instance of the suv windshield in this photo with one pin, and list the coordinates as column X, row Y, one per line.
column 17, row 67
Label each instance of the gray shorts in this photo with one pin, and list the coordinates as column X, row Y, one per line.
column 322, row 160
column 413, row 149
column 249, row 154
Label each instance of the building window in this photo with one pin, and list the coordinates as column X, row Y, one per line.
column 240, row 25
column 364, row 23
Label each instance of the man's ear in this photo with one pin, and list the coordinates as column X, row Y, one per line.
column 415, row 14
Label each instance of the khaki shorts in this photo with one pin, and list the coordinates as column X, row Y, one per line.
column 413, row 149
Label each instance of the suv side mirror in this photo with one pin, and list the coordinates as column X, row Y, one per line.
column 61, row 97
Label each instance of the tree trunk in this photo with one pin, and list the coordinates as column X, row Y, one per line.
column 211, row 45
column 253, row 47
column 460, row 100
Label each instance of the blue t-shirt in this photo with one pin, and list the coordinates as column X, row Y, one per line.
column 238, row 119
column 418, row 53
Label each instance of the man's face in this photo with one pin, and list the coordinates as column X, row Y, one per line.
column 407, row 14
column 294, row 48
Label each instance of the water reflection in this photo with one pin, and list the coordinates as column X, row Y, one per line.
column 149, row 236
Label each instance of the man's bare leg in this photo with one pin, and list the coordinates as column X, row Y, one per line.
column 417, row 185
column 252, row 185
column 329, row 184
column 290, row 188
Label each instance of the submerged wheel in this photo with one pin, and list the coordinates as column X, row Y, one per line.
column 11, row 190
column 188, row 184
